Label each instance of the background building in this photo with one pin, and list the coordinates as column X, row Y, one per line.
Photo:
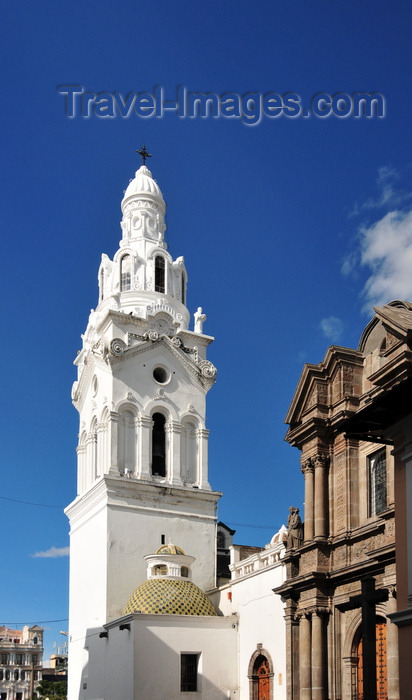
column 21, row 662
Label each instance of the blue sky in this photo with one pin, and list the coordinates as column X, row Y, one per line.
column 291, row 230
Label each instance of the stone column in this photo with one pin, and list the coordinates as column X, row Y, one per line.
column 202, row 456
column 307, row 470
column 305, row 658
column 392, row 650
column 145, row 424
column 320, row 497
column 318, row 692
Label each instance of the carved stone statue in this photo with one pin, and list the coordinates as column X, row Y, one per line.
column 200, row 318
column 295, row 529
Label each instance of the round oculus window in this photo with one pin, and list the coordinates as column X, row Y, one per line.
column 160, row 374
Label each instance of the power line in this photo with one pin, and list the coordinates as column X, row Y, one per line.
column 257, row 527
column 29, row 503
column 37, row 622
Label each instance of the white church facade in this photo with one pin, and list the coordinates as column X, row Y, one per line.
column 148, row 619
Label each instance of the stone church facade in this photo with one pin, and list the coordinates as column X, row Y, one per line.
column 349, row 526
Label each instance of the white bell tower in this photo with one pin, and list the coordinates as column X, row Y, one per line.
column 142, row 382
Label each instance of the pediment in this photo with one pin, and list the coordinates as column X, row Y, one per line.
column 199, row 369
column 392, row 323
column 325, row 383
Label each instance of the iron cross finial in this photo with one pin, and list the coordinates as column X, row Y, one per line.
column 144, row 154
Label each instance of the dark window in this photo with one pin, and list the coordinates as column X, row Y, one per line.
column 159, row 445
column 188, row 672
column 4, row 659
column 7, row 674
column 101, row 284
column 160, row 375
column 35, row 675
column 22, row 675
column 160, row 570
column 183, row 289
column 184, row 572
column 16, row 675
column 35, row 640
column 125, row 273
column 3, row 696
column 1, row 674
column 34, row 659
column 377, row 482
column 160, row 274
column 19, row 659
column 19, row 696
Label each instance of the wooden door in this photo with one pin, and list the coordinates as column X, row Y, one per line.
column 381, row 665
column 263, row 680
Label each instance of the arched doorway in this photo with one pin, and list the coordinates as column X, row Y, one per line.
column 381, row 663
column 263, row 677
column 260, row 675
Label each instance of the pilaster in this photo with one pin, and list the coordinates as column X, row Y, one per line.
column 173, row 442
column 202, row 441
column 145, row 425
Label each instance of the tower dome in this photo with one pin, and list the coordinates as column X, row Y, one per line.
column 143, row 186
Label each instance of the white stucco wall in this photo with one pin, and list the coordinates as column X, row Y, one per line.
column 144, row 663
column 260, row 612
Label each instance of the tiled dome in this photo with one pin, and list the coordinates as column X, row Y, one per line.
column 170, row 549
column 169, row 596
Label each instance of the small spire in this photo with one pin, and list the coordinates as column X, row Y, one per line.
column 144, row 154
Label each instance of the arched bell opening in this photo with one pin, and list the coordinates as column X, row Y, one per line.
column 158, row 445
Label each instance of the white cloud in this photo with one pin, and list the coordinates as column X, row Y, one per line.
column 386, row 249
column 332, row 328
column 53, row 553
column 388, row 194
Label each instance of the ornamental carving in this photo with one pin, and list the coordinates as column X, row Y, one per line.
column 340, row 495
column 318, row 395
column 339, row 557
column 390, row 529
column 152, row 335
column 360, row 550
column 307, row 466
column 117, row 347
column 320, row 461
column 207, row 369
column 348, row 381
column 336, row 388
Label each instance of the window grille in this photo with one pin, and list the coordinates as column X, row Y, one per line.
column 160, row 274
column 377, row 483
column 189, row 672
